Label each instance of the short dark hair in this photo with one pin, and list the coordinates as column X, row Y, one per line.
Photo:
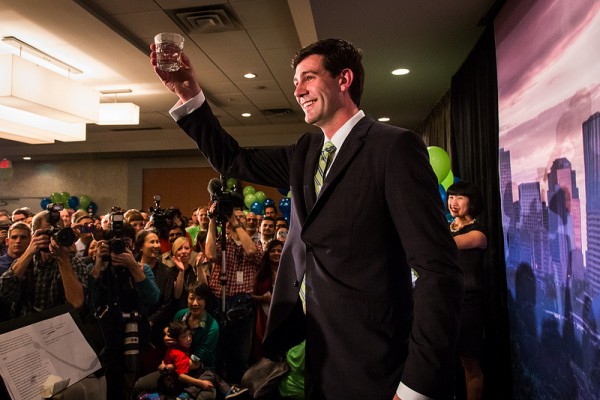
column 199, row 289
column 176, row 328
column 471, row 191
column 338, row 54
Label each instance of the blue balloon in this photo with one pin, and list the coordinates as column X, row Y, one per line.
column 44, row 203
column 256, row 208
column 442, row 193
column 92, row 207
column 73, row 202
column 269, row 202
column 285, row 206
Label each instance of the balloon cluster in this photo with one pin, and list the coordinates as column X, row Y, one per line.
column 82, row 202
column 440, row 162
column 256, row 200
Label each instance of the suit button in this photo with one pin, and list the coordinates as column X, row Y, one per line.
column 296, row 283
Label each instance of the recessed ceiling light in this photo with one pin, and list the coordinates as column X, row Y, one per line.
column 246, row 115
column 400, row 71
column 249, row 75
column 383, row 119
column 27, row 158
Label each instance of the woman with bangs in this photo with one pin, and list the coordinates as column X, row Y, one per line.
column 465, row 204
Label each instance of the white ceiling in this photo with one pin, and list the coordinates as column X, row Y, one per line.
column 108, row 40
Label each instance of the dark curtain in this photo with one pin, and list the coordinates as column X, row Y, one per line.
column 474, row 140
column 435, row 129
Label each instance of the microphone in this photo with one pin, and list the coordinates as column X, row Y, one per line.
column 215, row 188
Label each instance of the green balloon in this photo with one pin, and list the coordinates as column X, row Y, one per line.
column 260, row 196
column 248, row 190
column 249, row 199
column 55, row 197
column 289, row 195
column 440, row 162
column 231, row 183
column 64, row 198
column 84, row 202
column 449, row 180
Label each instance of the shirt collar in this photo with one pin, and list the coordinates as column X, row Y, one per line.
column 340, row 136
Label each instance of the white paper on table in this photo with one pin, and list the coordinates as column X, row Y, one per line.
column 55, row 346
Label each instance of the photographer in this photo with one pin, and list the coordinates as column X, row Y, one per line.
column 45, row 275
column 242, row 259
column 122, row 290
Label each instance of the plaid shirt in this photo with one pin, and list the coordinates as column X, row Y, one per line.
column 41, row 287
column 240, row 271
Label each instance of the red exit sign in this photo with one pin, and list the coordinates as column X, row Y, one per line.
column 5, row 164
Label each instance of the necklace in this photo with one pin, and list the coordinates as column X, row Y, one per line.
column 454, row 228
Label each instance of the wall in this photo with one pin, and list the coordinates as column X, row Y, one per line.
column 108, row 182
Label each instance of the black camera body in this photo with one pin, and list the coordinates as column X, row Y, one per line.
column 224, row 199
column 63, row 236
column 115, row 243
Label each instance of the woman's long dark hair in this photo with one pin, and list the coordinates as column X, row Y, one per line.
column 264, row 269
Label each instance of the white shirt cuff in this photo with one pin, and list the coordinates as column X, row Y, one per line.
column 406, row 393
column 180, row 110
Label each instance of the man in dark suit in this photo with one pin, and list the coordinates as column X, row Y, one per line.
column 362, row 216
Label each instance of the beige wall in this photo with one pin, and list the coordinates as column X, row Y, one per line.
column 108, row 182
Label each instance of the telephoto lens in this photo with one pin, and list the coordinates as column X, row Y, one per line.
column 131, row 346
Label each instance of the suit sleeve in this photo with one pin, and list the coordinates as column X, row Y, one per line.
column 268, row 167
column 417, row 211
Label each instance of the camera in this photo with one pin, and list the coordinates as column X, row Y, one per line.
column 115, row 243
column 162, row 219
column 224, row 199
column 63, row 236
column 87, row 228
column 117, row 218
column 4, row 226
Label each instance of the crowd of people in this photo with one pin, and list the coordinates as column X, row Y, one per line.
column 131, row 274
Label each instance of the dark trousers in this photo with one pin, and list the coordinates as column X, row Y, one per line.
column 235, row 336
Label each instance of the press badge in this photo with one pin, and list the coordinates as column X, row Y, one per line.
column 239, row 277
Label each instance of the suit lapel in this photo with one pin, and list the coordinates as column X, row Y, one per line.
column 308, row 186
column 349, row 149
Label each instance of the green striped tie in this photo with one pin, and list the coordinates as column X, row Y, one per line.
column 326, row 153
column 328, row 150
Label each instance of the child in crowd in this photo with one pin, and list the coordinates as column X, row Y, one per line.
column 178, row 367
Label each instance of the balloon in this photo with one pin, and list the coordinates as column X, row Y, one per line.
column 442, row 193
column 256, row 208
column 248, row 190
column 73, row 202
column 84, row 202
column 55, row 197
column 448, row 181
column 289, row 194
column 64, row 197
column 231, row 183
column 92, row 207
column 440, row 161
column 285, row 206
column 249, row 199
column 44, row 203
column 269, row 202
column 246, row 212
column 260, row 197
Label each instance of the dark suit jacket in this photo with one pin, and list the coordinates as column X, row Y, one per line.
column 379, row 214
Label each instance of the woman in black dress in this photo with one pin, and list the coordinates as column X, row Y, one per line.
column 465, row 204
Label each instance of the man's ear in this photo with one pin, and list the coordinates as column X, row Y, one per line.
column 346, row 78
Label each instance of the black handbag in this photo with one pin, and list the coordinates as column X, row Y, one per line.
column 262, row 379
